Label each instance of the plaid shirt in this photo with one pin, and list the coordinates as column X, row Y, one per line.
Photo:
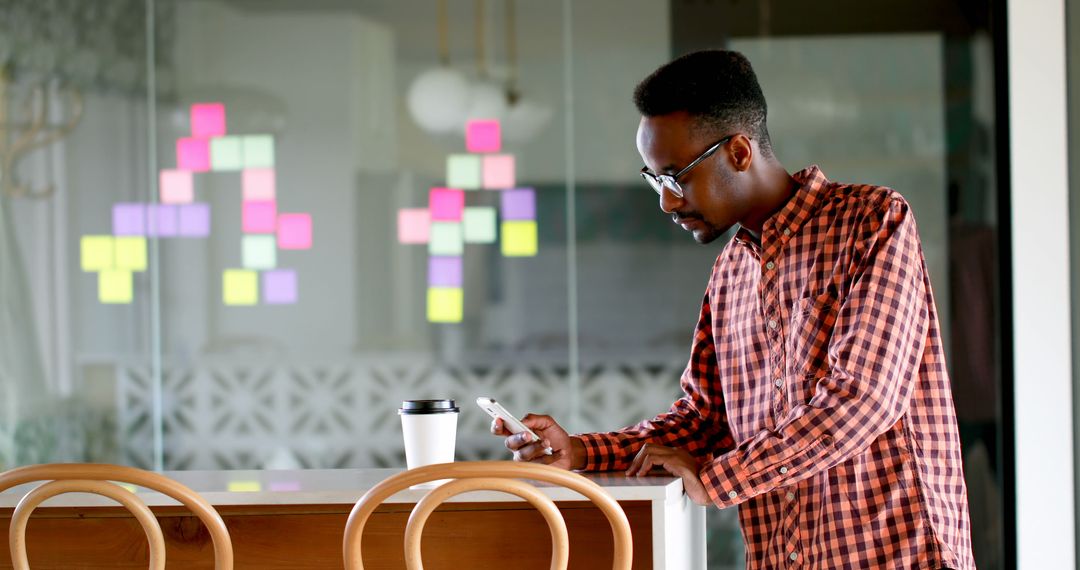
column 816, row 394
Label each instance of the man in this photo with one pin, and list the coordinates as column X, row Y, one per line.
column 816, row 396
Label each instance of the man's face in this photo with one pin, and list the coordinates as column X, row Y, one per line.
column 712, row 200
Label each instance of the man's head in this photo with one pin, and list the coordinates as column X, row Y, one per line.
column 688, row 106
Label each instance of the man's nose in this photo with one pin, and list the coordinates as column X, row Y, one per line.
column 669, row 202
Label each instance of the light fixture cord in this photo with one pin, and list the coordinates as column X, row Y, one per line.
column 444, row 34
column 511, row 49
column 481, row 64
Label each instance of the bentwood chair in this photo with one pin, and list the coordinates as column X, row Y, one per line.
column 97, row 478
column 501, row 476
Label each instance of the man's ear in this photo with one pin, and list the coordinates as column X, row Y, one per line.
column 741, row 152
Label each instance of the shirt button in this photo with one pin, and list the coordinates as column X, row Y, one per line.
column 732, row 495
column 794, row 556
column 783, row 470
column 791, row 496
column 773, row 324
column 787, row 232
column 770, row 265
column 779, row 382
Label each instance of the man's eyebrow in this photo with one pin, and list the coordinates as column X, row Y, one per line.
column 668, row 169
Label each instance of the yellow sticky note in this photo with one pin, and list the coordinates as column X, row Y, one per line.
column 115, row 286
column 240, row 287
column 131, row 253
column 519, row 238
column 445, row 304
column 96, row 252
column 244, row 487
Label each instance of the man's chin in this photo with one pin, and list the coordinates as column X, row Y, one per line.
column 706, row 235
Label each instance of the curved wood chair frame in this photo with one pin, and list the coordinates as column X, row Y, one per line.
column 93, row 472
column 493, row 475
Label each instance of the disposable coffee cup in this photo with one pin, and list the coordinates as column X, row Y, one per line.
column 430, row 431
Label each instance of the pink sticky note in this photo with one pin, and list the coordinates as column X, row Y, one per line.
column 176, row 187
column 483, row 136
column 414, row 225
column 259, row 184
column 193, row 154
column 498, row 171
column 294, row 231
column 207, row 120
column 259, row 217
column 446, row 204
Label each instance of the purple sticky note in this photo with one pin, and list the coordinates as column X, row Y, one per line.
column 259, row 217
column 446, row 204
column 483, row 136
column 444, row 271
column 162, row 220
column 129, row 219
column 281, row 486
column 294, row 231
column 193, row 154
column 194, row 219
column 279, row 286
column 519, row 204
column 207, row 120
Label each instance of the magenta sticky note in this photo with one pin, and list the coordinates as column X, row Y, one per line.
column 446, row 203
column 279, row 286
column 294, row 231
column 445, row 271
column 498, row 171
column 207, row 120
column 258, row 184
column 194, row 219
column 259, row 217
column 483, row 135
column 518, row 204
column 193, row 154
column 414, row 225
column 162, row 220
column 176, row 186
column 129, row 219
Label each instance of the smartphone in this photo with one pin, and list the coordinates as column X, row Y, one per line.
column 512, row 424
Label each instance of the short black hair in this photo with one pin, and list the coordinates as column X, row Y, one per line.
column 717, row 87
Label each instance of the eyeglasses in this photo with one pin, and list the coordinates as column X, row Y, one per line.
column 661, row 181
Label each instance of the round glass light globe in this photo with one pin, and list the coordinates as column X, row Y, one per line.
column 438, row 99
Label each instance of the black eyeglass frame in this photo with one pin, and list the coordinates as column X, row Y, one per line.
column 660, row 181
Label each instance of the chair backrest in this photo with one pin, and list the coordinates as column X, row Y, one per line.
column 95, row 478
column 494, row 475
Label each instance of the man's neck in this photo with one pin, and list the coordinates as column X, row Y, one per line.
column 773, row 188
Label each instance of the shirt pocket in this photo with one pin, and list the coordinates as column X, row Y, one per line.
column 812, row 322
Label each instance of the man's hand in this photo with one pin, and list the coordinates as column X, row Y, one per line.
column 676, row 462
column 566, row 452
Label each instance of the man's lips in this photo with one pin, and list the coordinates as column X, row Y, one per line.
column 686, row 222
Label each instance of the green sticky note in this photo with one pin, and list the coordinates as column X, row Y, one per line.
column 130, row 253
column 259, row 151
column 259, row 251
column 244, row 487
column 96, row 253
column 445, row 304
column 479, row 224
column 240, row 287
column 519, row 238
column 446, row 239
column 115, row 286
column 463, row 171
column 225, row 153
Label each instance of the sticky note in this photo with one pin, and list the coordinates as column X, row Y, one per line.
column 207, row 120
column 194, row 219
column 446, row 204
column 244, row 487
column 463, row 171
column 130, row 253
column 176, row 187
column 285, row 486
column 96, row 253
column 258, row 151
column 258, row 252
column 445, row 304
column 518, row 204
column 193, row 154
column 294, row 231
column 445, row 271
column 162, row 220
column 413, row 225
column 115, row 286
column 240, row 287
column 519, row 238
column 259, row 184
column 259, row 217
column 479, row 224
column 483, row 136
column 129, row 219
column 446, row 239
column 225, row 154
column 279, row 286
column 498, row 171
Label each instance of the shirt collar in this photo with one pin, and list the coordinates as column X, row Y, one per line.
column 793, row 214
